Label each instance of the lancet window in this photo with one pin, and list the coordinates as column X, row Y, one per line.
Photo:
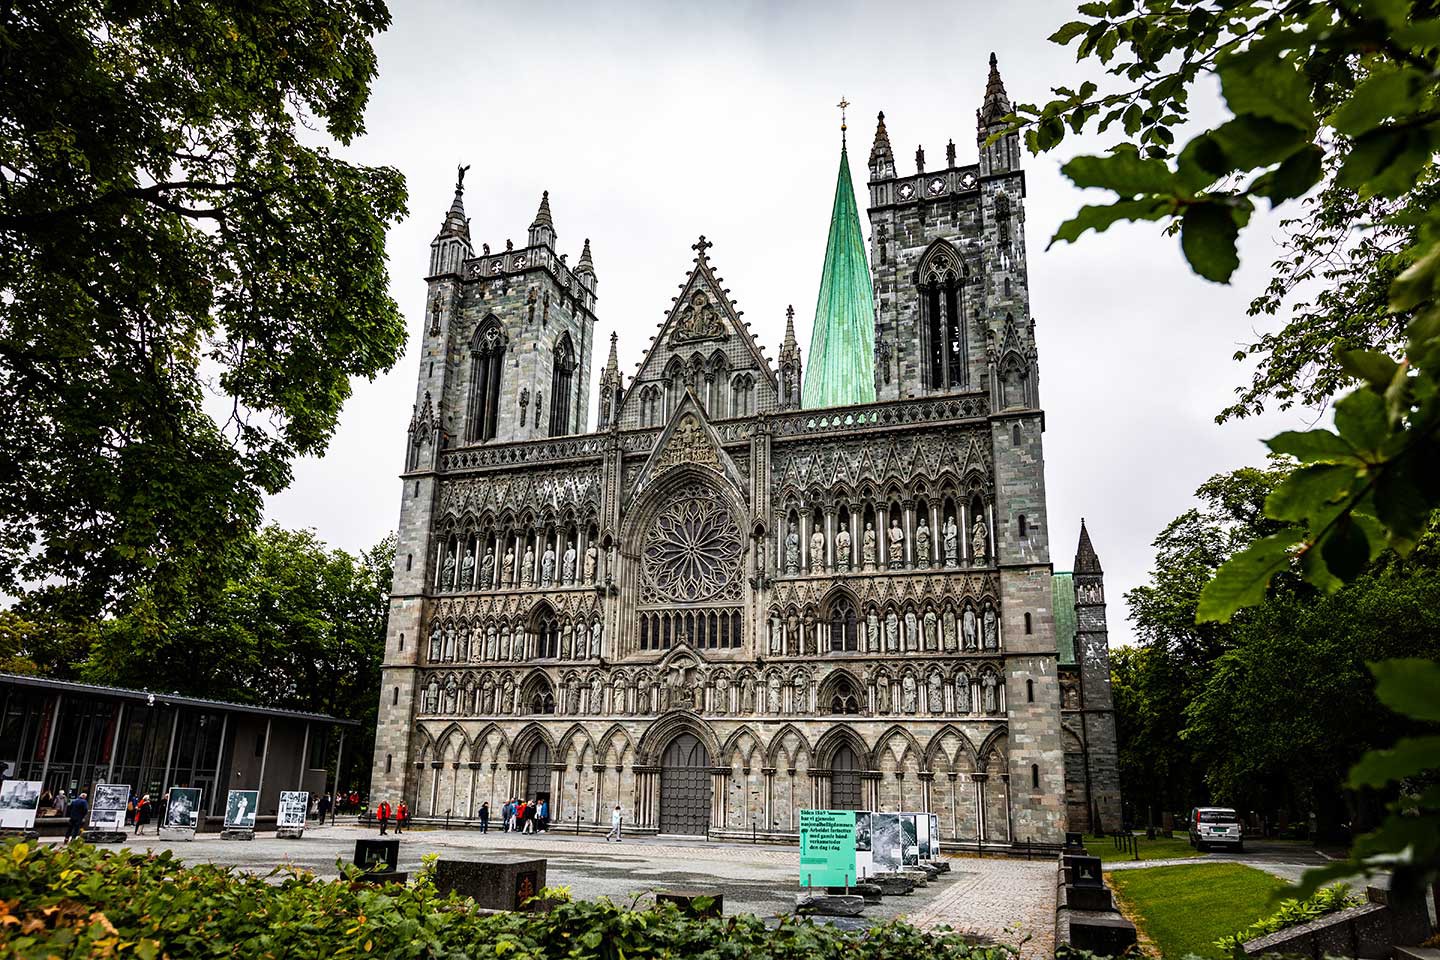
column 487, row 360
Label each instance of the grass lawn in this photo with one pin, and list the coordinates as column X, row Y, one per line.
column 1160, row 848
column 1184, row 909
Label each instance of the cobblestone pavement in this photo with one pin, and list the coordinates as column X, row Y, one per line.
column 1010, row 901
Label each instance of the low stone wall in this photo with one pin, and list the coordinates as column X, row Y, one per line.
column 1369, row 930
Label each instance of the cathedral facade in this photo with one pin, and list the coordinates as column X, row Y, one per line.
column 752, row 587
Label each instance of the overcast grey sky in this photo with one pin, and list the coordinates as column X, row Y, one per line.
column 652, row 123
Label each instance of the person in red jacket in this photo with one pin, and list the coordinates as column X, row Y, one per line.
column 401, row 816
column 382, row 813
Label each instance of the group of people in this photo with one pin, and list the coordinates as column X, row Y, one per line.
column 142, row 809
column 399, row 813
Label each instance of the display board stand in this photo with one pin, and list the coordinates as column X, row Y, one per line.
column 177, row 833
column 237, row 833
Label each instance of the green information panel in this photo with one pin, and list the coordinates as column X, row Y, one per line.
column 827, row 848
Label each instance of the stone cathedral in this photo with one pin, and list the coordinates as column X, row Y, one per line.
column 751, row 587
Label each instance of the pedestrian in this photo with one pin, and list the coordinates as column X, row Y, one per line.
column 542, row 815
column 402, row 813
column 160, row 805
column 323, row 807
column 142, row 813
column 382, row 813
column 484, row 818
column 614, row 824
column 529, row 818
column 508, row 813
column 77, row 810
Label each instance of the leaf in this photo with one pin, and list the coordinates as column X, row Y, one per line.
column 1409, row 757
column 1310, row 446
column 1372, row 366
column 1294, row 177
column 1069, row 32
column 1124, row 171
column 1346, row 549
column 1260, row 83
column 1386, row 160
column 1100, row 218
column 1410, row 686
column 1306, row 491
column 1242, row 580
column 1360, row 418
column 1208, row 233
column 1250, row 141
column 1387, row 92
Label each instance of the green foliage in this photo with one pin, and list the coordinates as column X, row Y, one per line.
column 1268, row 711
column 1292, row 913
column 79, row 902
column 1343, row 94
column 1408, row 841
column 170, row 245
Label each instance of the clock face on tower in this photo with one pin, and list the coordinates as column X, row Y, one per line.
column 906, row 191
column 936, row 186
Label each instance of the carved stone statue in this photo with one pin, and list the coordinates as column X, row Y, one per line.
column 912, row 631
column 487, row 570
column 596, row 632
column 892, row 632
column 492, row 644
column 507, row 568
column 792, row 635
column 952, row 541
column 922, row 544
column 962, row 694
column 772, row 700
column 517, row 646
column 747, row 696
column 597, row 694
column 872, row 631
column 777, row 637
column 988, row 684
column 882, row 694
column 978, row 537
column 722, row 693
column 947, row 631
column 817, row 550
column 591, row 556
column 969, row 629
column 467, row 571
column 909, row 694
column 572, row 697
column 937, row 694
column 487, row 698
column 809, row 635
column 801, row 693
column 527, row 567
column 547, row 567
column 447, row 576
column 566, row 634
column 792, row 551
column 896, row 538
column 932, row 631
column 992, row 637
column 568, row 564
column 642, row 697
column 867, row 546
column 842, row 548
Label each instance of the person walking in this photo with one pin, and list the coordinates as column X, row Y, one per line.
column 484, row 818
column 142, row 813
column 382, row 813
column 323, row 807
column 542, row 816
column 529, row 818
column 402, row 813
column 77, row 810
column 509, row 814
column 614, row 825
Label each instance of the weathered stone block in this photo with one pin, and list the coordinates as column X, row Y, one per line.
column 892, row 884
column 1107, row 934
column 377, row 856
column 500, row 884
column 871, row 892
column 104, row 836
column 237, row 834
column 1096, row 899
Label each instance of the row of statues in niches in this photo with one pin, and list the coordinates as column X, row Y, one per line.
column 549, row 567
column 826, row 551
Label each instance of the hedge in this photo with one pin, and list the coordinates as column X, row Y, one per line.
column 79, row 901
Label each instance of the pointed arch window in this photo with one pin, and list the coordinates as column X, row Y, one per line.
column 547, row 636
column 942, row 306
column 844, row 626
column 562, row 380
column 487, row 360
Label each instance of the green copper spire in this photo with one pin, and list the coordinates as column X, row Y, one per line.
column 842, row 342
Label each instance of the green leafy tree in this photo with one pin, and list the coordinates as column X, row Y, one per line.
column 296, row 625
column 172, row 243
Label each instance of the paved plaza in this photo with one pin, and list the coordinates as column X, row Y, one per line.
column 1010, row 901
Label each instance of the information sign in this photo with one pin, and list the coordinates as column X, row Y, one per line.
column 827, row 848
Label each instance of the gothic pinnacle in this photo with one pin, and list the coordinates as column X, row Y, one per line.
column 881, row 149
column 542, row 217
column 997, row 101
column 585, row 263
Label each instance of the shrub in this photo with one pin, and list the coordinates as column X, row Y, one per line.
column 1292, row 913
column 82, row 902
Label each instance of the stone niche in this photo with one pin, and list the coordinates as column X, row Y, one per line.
column 501, row 884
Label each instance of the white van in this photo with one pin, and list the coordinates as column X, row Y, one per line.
column 1214, row 826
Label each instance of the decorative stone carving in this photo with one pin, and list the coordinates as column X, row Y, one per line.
column 892, row 632
column 547, row 566
column 882, row 694
column 872, row 631
column 970, row 628
column 591, row 556
column 817, row 551
column 527, row 567
column 507, row 568
column 688, row 444
column 842, row 549
column 937, row 693
column 567, row 574
column 447, row 575
column 947, row 631
column 693, row 549
column 792, row 550
column 962, row 693
column 952, row 541
column 597, row 694
column 867, row 547
column 597, row 631
column 978, row 538
column 992, row 636
column 772, row 699
column 922, row 544
column 932, row 631
column 467, row 571
column 487, row 569
column 909, row 698
column 912, row 631
column 988, row 684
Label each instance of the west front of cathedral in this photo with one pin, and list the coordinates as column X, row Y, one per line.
column 752, row 588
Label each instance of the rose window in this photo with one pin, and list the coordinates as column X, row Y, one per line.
column 692, row 551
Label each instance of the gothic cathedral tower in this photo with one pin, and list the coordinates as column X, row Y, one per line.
column 952, row 316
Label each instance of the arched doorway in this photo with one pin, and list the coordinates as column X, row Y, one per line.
column 844, row 779
column 685, row 786
column 537, row 773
